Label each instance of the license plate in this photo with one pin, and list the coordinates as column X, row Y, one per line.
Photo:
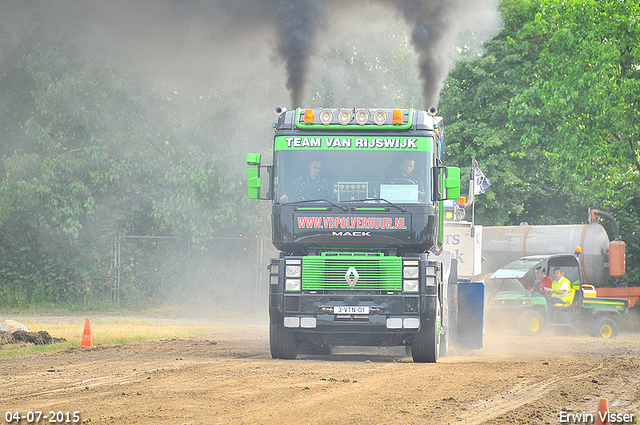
column 350, row 310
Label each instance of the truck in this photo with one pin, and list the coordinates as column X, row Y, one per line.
column 357, row 218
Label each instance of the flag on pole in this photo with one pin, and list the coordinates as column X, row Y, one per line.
column 480, row 182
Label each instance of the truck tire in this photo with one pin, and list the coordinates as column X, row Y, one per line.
column 282, row 342
column 530, row 323
column 604, row 327
column 425, row 345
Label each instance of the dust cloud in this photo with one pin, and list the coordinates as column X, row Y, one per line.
column 252, row 55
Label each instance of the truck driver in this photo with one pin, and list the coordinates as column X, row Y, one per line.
column 310, row 185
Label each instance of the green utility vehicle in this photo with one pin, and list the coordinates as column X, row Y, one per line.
column 357, row 217
column 519, row 299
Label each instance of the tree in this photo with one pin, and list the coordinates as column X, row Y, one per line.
column 477, row 104
column 88, row 152
column 589, row 84
column 588, row 81
column 551, row 113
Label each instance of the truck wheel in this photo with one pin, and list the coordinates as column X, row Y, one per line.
column 425, row 345
column 604, row 327
column 282, row 342
column 530, row 323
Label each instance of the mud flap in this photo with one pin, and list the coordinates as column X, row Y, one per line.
column 470, row 325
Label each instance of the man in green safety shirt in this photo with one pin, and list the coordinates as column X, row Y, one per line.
column 561, row 287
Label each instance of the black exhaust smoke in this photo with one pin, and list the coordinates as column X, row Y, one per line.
column 297, row 23
column 436, row 28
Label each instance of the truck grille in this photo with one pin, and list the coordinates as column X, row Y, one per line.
column 375, row 272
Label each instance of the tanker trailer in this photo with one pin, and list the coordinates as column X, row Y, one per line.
column 504, row 244
column 600, row 258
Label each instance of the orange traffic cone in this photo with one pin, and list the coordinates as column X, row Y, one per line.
column 86, row 335
column 603, row 413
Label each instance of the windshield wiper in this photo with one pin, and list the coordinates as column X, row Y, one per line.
column 342, row 207
column 403, row 209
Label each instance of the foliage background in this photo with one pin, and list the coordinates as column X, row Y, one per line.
column 551, row 112
column 144, row 133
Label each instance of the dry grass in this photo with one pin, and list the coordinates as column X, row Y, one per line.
column 105, row 330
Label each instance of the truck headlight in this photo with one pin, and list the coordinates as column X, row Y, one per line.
column 362, row 116
column 326, row 116
column 293, row 270
column 410, row 272
column 291, row 322
column 394, row 322
column 411, row 323
column 292, row 285
column 410, row 286
column 344, row 116
column 380, row 116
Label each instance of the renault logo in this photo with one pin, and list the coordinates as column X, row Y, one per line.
column 356, row 276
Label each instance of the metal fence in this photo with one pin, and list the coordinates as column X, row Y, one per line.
column 163, row 269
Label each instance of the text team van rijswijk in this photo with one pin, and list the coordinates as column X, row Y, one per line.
column 373, row 142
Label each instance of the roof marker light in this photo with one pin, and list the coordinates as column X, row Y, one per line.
column 362, row 116
column 309, row 117
column 380, row 117
column 397, row 116
column 326, row 116
column 345, row 116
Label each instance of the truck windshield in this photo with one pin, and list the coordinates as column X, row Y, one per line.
column 344, row 176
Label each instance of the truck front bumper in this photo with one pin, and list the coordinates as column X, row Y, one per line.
column 339, row 317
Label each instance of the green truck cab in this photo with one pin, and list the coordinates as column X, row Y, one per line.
column 519, row 300
column 357, row 218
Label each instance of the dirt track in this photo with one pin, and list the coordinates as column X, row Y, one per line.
column 229, row 377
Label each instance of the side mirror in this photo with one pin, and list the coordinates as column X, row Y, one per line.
column 254, row 181
column 446, row 183
column 452, row 182
column 254, row 159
